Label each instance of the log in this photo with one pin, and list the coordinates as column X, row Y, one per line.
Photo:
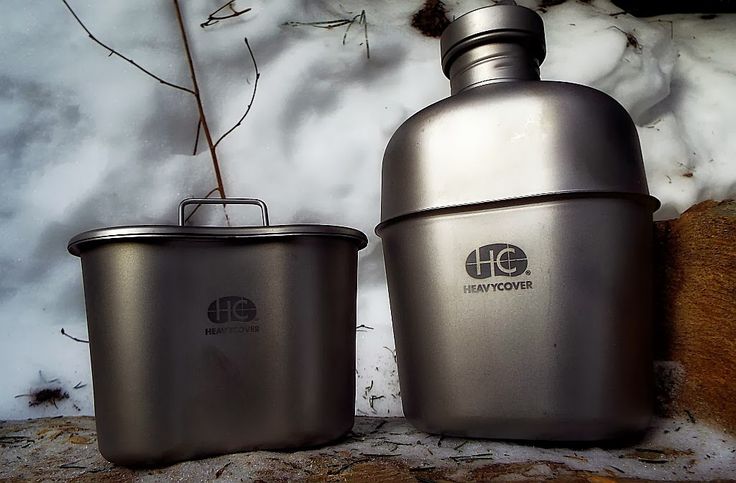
column 695, row 313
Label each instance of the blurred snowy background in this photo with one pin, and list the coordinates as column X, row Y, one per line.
column 88, row 141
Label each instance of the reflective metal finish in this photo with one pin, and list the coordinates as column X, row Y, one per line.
column 229, row 201
column 214, row 340
column 561, row 351
column 516, row 227
column 511, row 140
column 492, row 44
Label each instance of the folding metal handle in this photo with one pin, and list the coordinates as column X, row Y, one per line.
column 223, row 201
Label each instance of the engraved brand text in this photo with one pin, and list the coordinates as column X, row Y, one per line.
column 231, row 330
column 497, row 287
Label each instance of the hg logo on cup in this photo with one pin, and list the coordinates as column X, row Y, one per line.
column 497, row 259
column 231, row 309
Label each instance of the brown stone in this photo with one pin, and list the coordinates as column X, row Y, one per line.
column 695, row 310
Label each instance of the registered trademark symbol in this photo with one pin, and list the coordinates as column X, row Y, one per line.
column 528, row 272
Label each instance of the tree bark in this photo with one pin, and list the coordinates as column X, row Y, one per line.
column 695, row 310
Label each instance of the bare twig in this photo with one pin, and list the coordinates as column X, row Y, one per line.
column 324, row 24
column 212, row 191
column 73, row 338
column 196, row 138
column 252, row 96
column 200, row 107
column 115, row 52
column 213, row 18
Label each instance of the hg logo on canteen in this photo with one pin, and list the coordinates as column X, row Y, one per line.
column 496, row 260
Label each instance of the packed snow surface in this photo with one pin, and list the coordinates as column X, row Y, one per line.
column 89, row 141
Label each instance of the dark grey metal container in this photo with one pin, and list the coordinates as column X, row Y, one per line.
column 210, row 340
column 516, row 228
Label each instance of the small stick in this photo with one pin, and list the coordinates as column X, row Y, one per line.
column 324, row 24
column 212, row 19
column 196, row 138
column 73, row 338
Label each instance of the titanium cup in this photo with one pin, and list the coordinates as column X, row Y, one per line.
column 517, row 231
column 211, row 340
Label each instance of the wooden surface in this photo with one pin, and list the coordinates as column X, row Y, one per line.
column 380, row 450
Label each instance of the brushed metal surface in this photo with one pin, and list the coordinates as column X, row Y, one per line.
column 516, row 225
column 169, row 387
column 567, row 358
column 173, row 232
column 511, row 140
column 499, row 43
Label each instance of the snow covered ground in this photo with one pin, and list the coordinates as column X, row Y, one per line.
column 87, row 140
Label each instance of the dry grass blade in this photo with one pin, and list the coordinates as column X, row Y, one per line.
column 360, row 19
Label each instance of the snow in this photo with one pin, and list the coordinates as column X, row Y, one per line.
column 90, row 141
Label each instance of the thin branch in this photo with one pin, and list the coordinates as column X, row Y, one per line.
column 200, row 107
column 252, row 96
column 196, row 139
column 73, row 338
column 130, row 61
column 324, row 24
column 213, row 18
column 213, row 191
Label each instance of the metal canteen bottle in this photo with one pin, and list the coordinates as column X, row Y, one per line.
column 517, row 231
